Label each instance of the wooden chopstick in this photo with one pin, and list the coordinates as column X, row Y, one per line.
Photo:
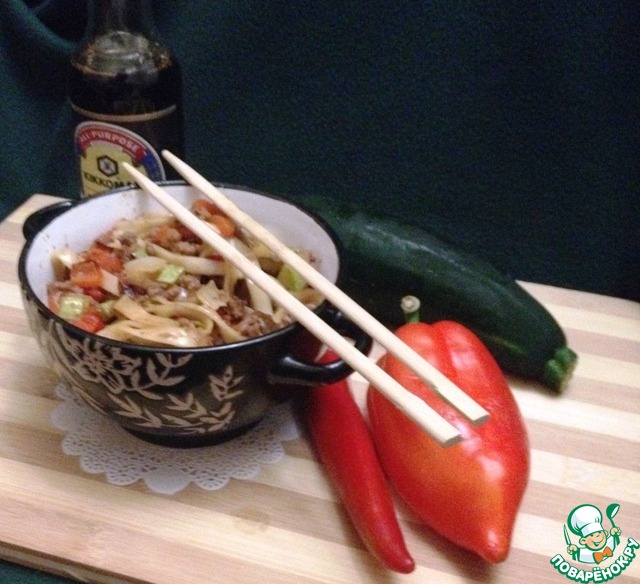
column 447, row 390
column 430, row 421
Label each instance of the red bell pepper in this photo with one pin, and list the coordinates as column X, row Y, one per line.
column 343, row 442
column 86, row 274
column 90, row 321
column 105, row 257
column 470, row 492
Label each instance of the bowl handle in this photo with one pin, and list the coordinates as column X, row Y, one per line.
column 38, row 220
column 291, row 370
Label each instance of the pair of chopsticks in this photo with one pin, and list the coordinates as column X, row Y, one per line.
column 415, row 408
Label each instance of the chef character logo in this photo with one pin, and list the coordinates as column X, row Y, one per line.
column 595, row 543
column 601, row 553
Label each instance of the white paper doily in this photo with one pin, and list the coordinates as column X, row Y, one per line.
column 104, row 447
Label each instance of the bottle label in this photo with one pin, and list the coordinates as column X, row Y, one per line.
column 103, row 147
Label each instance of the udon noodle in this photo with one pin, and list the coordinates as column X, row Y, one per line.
column 152, row 281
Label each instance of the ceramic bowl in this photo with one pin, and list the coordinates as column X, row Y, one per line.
column 176, row 397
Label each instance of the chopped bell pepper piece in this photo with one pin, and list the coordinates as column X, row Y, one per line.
column 170, row 274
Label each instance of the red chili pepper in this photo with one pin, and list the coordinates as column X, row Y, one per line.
column 343, row 442
column 470, row 492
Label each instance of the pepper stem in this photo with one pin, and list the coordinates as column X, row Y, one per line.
column 410, row 306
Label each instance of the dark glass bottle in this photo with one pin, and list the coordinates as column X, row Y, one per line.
column 125, row 89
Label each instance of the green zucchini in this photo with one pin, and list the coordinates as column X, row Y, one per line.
column 386, row 260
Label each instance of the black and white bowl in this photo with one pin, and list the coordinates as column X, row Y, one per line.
column 177, row 397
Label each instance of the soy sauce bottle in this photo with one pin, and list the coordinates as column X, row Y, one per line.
column 125, row 90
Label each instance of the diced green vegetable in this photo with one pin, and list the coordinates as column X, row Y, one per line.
column 290, row 279
column 141, row 252
column 170, row 274
column 73, row 306
column 106, row 310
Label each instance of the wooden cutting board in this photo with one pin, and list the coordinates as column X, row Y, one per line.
column 286, row 525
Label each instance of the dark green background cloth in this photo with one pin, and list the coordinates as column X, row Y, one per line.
column 14, row 574
column 510, row 127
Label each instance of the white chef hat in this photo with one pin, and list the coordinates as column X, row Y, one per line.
column 585, row 520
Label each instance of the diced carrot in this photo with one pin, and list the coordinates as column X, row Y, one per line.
column 86, row 274
column 225, row 226
column 210, row 212
column 164, row 235
column 206, row 206
column 105, row 257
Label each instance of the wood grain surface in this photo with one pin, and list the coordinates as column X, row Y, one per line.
column 286, row 524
